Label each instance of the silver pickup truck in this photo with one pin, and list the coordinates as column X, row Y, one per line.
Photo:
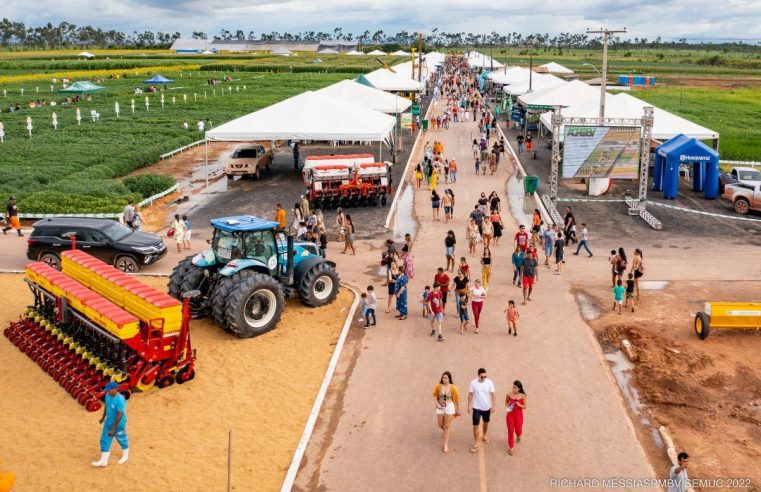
column 744, row 196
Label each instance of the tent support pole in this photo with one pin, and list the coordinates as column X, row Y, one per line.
column 380, row 150
column 206, row 160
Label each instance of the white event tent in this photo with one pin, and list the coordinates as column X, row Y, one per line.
column 557, row 68
column 377, row 53
column 400, row 53
column 354, row 53
column 511, row 75
column 536, row 82
column 327, row 51
column 480, row 60
column 366, row 97
column 386, row 80
column 86, row 54
column 665, row 125
column 281, row 52
column 307, row 116
column 568, row 94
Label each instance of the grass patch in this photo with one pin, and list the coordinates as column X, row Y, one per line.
column 734, row 113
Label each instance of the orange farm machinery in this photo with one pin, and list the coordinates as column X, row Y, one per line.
column 347, row 181
column 91, row 324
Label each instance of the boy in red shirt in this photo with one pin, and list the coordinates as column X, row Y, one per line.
column 442, row 279
column 521, row 238
column 436, row 310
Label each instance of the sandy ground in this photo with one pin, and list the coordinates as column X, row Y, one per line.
column 707, row 392
column 261, row 389
column 378, row 431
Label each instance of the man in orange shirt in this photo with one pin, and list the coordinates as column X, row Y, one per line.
column 280, row 218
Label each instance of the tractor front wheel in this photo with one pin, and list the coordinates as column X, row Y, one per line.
column 220, row 295
column 254, row 305
column 702, row 325
column 319, row 286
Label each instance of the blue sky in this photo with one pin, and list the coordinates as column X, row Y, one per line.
column 670, row 19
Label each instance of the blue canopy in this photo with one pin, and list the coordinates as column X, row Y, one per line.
column 158, row 79
column 686, row 150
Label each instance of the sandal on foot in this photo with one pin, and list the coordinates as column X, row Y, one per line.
column 485, row 440
column 474, row 449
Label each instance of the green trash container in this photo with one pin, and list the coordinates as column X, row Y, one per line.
column 530, row 184
column 425, row 125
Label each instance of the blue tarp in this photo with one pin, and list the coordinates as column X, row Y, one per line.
column 686, row 150
column 158, row 79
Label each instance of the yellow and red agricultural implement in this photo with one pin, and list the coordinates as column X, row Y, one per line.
column 91, row 324
column 729, row 315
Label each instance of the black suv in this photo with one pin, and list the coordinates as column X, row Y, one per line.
column 105, row 239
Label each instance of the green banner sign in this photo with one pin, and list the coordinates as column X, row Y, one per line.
column 415, row 109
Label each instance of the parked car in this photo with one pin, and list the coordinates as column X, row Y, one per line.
column 250, row 160
column 739, row 174
column 105, row 239
column 744, row 196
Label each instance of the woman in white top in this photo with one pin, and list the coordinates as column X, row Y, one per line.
column 477, row 295
column 298, row 218
column 178, row 231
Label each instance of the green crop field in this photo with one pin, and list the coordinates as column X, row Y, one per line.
column 72, row 169
column 734, row 113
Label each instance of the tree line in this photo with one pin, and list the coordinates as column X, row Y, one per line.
column 67, row 35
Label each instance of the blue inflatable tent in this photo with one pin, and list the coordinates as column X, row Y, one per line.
column 685, row 150
column 158, row 79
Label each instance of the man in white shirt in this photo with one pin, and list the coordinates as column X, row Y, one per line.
column 481, row 403
column 678, row 474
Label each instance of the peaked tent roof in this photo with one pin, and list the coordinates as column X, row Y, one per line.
column 366, row 97
column 316, row 60
column 665, row 125
column 682, row 144
column 476, row 59
column 537, row 81
column 81, row 87
column 574, row 92
column 354, row 53
column 328, row 51
column 308, row 116
column 387, row 80
column 158, row 79
column 400, row 53
column 86, row 54
column 511, row 75
column 553, row 67
column 377, row 52
column 280, row 51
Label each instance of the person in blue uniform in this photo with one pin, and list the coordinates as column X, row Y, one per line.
column 114, row 420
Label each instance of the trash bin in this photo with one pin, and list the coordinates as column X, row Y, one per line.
column 530, row 184
column 425, row 125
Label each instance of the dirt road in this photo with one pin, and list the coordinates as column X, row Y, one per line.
column 387, row 439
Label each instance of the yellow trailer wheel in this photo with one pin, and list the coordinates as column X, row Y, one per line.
column 702, row 325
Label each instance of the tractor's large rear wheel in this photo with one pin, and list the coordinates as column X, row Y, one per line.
column 177, row 276
column 254, row 305
column 319, row 286
column 197, row 279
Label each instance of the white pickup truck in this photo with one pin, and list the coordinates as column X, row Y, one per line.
column 739, row 174
column 744, row 196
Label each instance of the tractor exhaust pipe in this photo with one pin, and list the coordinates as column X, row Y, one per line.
column 289, row 260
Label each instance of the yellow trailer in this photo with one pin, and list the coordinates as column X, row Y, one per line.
column 730, row 315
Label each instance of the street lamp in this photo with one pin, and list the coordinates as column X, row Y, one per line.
column 593, row 67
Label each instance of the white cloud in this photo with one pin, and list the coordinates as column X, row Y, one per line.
column 670, row 19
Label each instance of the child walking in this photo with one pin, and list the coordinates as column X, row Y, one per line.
column 512, row 318
column 618, row 295
column 463, row 310
column 372, row 305
column 424, row 300
column 630, row 298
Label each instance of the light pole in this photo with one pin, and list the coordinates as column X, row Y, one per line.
column 604, row 75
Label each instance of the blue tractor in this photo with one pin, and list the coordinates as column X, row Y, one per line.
column 248, row 272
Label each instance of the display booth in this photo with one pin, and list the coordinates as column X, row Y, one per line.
column 683, row 150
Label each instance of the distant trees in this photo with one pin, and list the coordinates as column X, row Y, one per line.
column 67, row 35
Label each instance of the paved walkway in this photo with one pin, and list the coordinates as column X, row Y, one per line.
column 576, row 424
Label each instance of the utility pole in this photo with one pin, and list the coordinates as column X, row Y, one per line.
column 604, row 77
column 420, row 57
